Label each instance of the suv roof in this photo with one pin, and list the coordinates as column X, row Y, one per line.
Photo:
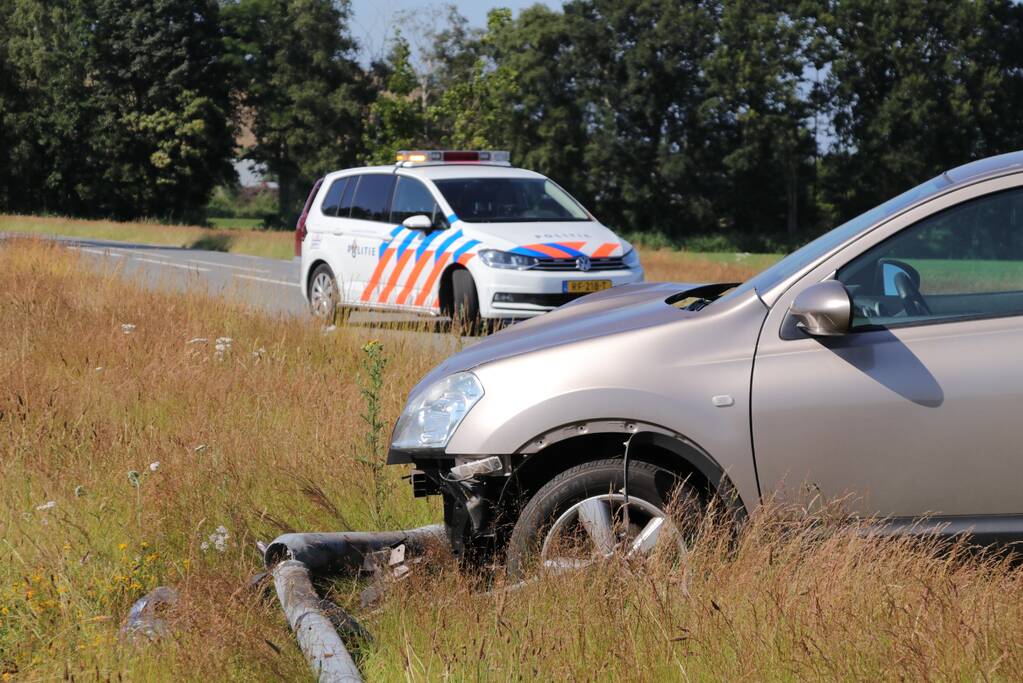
column 441, row 171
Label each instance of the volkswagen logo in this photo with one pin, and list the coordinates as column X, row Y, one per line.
column 582, row 262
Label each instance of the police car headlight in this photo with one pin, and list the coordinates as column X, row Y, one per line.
column 431, row 419
column 505, row 259
column 631, row 258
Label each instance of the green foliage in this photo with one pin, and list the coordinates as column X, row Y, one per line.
column 918, row 87
column 757, row 114
column 739, row 121
column 235, row 202
column 118, row 108
column 397, row 119
column 299, row 89
column 48, row 110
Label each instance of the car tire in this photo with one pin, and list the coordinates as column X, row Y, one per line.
column 324, row 296
column 465, row 303
column 648, row 485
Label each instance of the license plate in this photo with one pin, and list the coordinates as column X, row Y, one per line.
column 576, row 286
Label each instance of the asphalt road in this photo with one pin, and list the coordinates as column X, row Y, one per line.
column 269, row 285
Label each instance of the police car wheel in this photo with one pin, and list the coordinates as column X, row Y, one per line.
column 465, row 301
column 323, row 293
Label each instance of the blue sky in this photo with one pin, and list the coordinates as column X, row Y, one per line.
column 374, row 21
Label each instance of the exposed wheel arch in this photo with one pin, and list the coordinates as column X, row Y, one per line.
column 559, row 450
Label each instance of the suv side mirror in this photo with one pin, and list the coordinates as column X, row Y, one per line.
column 823, row 309
column 420, row 221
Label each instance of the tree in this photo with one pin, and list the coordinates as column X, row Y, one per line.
column 475, row 109
column 47, row 109
column 396, row 119
column 758, row 115
column 637, row 68
column 162, row 139
column 532, row 99
column 918, row 87
column 453, row 55
column 299, row 88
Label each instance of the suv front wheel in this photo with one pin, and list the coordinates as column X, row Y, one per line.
column 579, row 517
column 465, row 304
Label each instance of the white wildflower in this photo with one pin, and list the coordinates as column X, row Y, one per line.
column 153, row 466
column 127, row 328
column 217, row 540
column 48, row 505
column 222, row 346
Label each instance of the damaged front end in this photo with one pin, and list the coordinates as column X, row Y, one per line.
column 470, row 485
column 472, row 490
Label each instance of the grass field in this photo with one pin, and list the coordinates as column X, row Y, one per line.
column 270, row 244
column 236, row 223
column 659, row 264
column 127, row 442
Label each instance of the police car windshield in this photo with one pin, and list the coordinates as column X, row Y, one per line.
column 509, row 200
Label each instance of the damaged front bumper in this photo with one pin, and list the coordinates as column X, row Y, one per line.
column 472, row 488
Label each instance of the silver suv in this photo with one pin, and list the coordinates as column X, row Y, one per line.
column 882, row 362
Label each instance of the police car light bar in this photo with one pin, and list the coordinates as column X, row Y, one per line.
column 406, row 157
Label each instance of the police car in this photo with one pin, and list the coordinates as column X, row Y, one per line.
column 457, row 233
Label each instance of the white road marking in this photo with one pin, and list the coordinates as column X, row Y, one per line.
column 270, row 280
column 225, row 265
column 101, row 252
column 172, row 265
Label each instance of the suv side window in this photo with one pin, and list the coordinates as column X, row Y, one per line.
column 344, row 209
column 373, row 197
column 965, row 262
column 411, row 199
column 333, row 199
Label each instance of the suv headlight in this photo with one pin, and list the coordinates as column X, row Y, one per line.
column 505, row 259
column 431, row 419
column 631, row 258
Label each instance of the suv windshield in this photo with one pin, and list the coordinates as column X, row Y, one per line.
column 509, row 200
column 809, row 253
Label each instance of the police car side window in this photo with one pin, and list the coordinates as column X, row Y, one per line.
column 344, row 209
column 333, row 198
column 373, row 197
column 412, row 198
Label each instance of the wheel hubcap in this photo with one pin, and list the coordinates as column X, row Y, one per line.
column 322, row 294
column 602, row 526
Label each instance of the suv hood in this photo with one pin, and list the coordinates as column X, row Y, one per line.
column 547, row 240
column 619, row 309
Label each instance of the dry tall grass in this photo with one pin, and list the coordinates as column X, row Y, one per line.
column 147, row 441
